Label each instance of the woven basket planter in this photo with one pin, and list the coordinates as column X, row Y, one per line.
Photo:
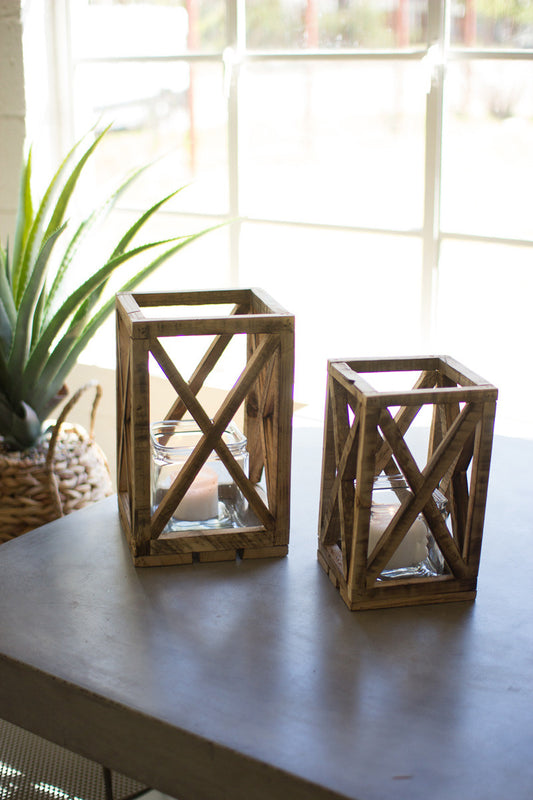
column 66, row 471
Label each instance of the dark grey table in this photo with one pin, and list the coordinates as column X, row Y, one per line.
column 253, row 680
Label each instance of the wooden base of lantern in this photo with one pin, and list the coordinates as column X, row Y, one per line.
column 362, row 440
column 264, row 387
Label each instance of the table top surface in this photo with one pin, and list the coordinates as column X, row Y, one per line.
column 253, row 678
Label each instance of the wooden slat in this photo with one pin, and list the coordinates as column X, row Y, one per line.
column 463, row 376
column 268, row 421
column 139, row 453
column 200, row 297
column 329, row 521
column 395, row 364
column 123, row 401
column 210, row 326
column 349, row 379
column 479, row 486
column 206, row 540
column 346, row 490
column 263, row 303
column 345, row 465
column 204, row 368
column 282, row 438
column 277, row 551
column 252, row 422
column 366, row 459
column 470, row 394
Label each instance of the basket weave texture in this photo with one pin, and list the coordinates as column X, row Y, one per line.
column 64, row 472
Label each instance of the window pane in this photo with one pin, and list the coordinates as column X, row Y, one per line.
column 153, row 27
column 487, row 161
column 272, row 24
column 128, row 28
column 488, row 23
column 488, row 288
column 174, row 112
column 207, row 24
column 352, row 294
column 336, row 143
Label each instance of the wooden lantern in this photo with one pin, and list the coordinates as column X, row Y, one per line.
column 264, row 390
column 362, row 440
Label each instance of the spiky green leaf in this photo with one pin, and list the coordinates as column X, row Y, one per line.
column 6, row 295
column 6, row 330
column 136, row 227
column 24, row 220
column 50, row 214
column 23, row 327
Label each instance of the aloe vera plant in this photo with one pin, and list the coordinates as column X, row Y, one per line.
column 43, row 329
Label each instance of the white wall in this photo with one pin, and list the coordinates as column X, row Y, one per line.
column 12, row 112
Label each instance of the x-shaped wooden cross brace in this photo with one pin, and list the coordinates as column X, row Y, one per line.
column 213, row 432
column 349, row 506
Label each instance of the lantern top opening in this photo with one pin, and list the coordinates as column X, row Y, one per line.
column 202, row 312
column 435, row 379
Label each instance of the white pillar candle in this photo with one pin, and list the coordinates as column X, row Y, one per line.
column 412, row 549
column 200, row 501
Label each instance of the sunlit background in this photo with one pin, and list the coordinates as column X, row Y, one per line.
column 378, row 155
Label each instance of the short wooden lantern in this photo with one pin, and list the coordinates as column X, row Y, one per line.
column 263, row 387
column 364, row 440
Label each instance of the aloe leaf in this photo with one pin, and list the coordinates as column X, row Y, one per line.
column 128, row 236
column 39, row 354
column 24, row 212
column 67, row 353
column 59, row 276
column 135, row 228
column 7, row 297
column 3, row 261
column 21, row 338
column 6, row 329
column 37, row 316
column 4, row 375
column 7, row 264
column 84, row 230
column 62, row 203
column 57, row 210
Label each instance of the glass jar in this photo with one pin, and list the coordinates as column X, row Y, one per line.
column 417, row 555
column 213, row 499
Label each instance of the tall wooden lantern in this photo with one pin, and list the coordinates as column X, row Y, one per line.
column 422, row 543
column 174, row 473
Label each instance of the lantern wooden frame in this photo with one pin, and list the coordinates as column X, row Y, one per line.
column 362, row 439
column 265, row 386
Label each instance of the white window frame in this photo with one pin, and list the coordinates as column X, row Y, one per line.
column 435, row 55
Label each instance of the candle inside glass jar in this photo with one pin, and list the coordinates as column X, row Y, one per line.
column 413, row 548
column 200, row 501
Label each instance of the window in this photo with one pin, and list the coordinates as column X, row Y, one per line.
column 376, row 152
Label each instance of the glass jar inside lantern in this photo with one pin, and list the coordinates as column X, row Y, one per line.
column 213, row 499
column 418, row 554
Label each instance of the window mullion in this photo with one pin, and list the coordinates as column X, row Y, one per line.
column 438, row 33
column 236, row 43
